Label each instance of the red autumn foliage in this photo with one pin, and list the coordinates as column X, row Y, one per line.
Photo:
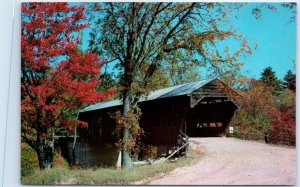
column 262, row 112
column 283, row 126
column 57, row 78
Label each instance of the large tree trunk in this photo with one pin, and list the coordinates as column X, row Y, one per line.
column 126, row 153
column 44, row 146
column 45, row 153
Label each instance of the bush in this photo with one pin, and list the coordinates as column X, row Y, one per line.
column 29, row 160
column 256, row 112
column 59, row 161
column 262, row 113
column 148, row 151
column 30, row 163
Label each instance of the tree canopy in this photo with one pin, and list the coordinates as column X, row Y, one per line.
column 265, row 112
column 148, row 36
column 290, row 81
column 269, row 78
column 57, row 79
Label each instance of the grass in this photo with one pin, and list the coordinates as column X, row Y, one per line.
column 65, row 175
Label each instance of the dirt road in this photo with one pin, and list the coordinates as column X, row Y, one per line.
column 230, row 161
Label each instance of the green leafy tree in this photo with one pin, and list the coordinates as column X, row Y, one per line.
column 158, row 80
column 180, row 73
column 107, row 82
column 149, row 35
column 263, row 112
column 256, row 112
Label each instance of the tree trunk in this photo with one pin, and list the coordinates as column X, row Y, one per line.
column 45, row 153
column 126, row 156
column 44, row 146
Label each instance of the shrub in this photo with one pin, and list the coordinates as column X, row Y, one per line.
column 30, row 163
column 29, row 160
column 148, row 151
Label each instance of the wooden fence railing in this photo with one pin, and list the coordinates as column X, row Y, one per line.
column 173, row 153
column 269, row 139
column 183, row 143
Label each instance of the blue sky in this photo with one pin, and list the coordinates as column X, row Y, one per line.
column 274, row 35
column 276, row 39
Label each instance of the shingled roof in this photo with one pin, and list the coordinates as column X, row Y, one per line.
column 182, row 89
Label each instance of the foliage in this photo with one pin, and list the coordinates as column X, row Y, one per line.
column 30, row 164
column 57, row 78
column 262, row 113
column 187, row 36
column 158, row 80
column 29, row 160
column 60, row 161
column 269, row 78
column 258, row 10
column 130, row 122
column 291, row 6
column 105, row 176
column 148, row 151
column 256, row 111
column 290, row 81
column 286, row 99
column 283, row 129
column 107, row 82
column 180, row 73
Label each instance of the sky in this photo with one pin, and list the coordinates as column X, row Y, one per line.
column 276, row 39
column 274, row 35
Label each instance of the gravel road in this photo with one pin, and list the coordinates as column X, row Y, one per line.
column 230, row 161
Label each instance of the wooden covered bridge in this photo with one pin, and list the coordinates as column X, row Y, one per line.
column 196, row 109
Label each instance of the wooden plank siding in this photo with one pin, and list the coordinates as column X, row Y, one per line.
column 162, row 119
column 100, row 127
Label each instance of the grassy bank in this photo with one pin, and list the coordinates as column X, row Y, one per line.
column 65, row 175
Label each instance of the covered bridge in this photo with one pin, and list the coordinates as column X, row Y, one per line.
column 196, row 109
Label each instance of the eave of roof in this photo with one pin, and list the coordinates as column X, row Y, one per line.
column 178, row 90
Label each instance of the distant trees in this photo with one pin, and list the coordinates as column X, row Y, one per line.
column 269, row 78
column 290, row 81
column 283, row 126
column 267, row 107
column 256, row 111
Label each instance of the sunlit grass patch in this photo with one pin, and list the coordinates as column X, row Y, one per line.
column 64, row 175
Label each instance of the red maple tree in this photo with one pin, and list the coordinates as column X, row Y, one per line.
column 57, row 78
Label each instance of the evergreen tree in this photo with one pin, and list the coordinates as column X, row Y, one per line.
column 290, row 81
column 268, row 77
